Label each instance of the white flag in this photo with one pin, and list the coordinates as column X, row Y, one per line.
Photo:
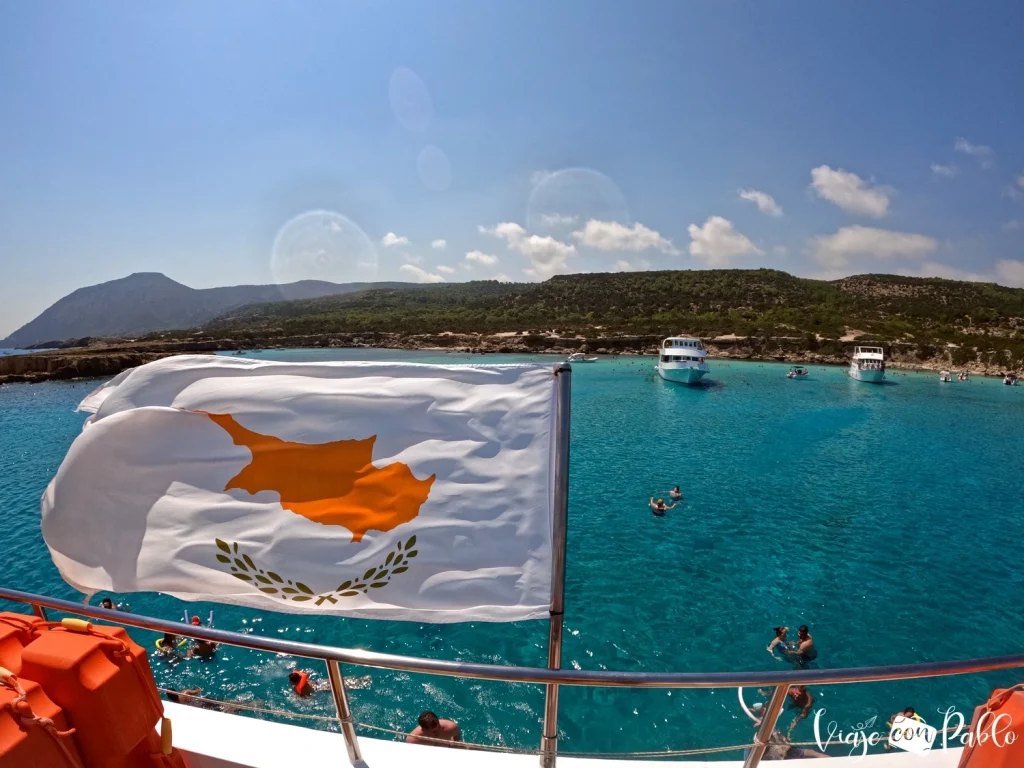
column 390, row 491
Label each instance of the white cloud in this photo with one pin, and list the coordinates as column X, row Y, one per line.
column 979, row 152
column 640, row 265
column 501, row 277
column 944, row 171
column 835, row 250
column 446, row 269
column 1010, row 272
column 1020, row 181
column 439, row 244
column 479, row 257
column 717, row 242
column 412, row 258
column 612, row 236
column 391, row 240
column 765, row 202
column 1012, row 225
column 547, row 255
column 849, row 191
column 420, row 275
column 780, row 250
column 557, row 219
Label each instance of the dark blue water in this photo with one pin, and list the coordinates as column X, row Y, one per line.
column 888, row 518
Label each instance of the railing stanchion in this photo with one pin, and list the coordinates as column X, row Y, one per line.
column 767, row 727
column 549, row 738
column 39, row 611
column 348, row 726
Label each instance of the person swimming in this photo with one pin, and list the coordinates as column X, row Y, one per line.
column 167, row 643
column 659, row 507
column 780, row 641
column 805, row 652
column 800, row 699
column 303, row 686
column 675, row 493
column 299, row 681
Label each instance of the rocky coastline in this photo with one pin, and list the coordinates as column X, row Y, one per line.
column 100, row 358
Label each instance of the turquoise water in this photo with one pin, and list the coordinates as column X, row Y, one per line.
column 888, row 518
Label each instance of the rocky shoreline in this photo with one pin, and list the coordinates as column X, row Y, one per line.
column 103, row 358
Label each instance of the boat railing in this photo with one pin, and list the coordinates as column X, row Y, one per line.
column 334, row 657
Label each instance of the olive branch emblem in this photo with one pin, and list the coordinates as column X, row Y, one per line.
column 244, row 568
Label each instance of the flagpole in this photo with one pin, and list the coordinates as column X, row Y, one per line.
column 549, row 740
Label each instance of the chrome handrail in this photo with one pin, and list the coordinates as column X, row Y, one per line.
column 781, row 680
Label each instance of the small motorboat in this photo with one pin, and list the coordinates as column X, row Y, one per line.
column 963, row 376
column 579, row 357
column 944, row 376
column 1010, row 379
column 797, row 372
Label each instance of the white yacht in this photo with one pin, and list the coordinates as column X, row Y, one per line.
column 868, row 364
column 579, row 357
column 683, row 359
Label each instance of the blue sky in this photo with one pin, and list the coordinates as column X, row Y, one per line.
column 252, row 141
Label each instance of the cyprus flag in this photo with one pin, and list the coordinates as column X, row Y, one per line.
column 392, row 491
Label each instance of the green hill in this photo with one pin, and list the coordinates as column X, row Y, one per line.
column 706, row 302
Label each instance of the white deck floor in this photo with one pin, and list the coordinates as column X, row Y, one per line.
column 219, row 740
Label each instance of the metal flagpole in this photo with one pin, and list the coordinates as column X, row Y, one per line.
column 549, row 740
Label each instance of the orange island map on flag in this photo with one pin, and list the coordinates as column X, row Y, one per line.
column 332, row 483
column 373, row 490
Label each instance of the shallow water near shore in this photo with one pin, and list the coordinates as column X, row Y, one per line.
column 887, row 518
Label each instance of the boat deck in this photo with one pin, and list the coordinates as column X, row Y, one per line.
column 220, row 740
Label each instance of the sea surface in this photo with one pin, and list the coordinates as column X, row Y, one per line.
column 5, row 351
column 887, row 518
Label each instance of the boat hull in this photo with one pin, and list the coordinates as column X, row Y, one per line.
column 683, row 375
column 870, row 375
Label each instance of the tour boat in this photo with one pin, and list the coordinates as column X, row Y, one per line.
column 797, row 372
column 683, row 360
column 868, row 364
column 579, row 357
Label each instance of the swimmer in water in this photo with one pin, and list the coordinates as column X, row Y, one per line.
column 800, row 699
column 805, row 652
column 780, row 641
column 167, row 649
column 675, row 493
column 659, row 507
column 303, row 686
